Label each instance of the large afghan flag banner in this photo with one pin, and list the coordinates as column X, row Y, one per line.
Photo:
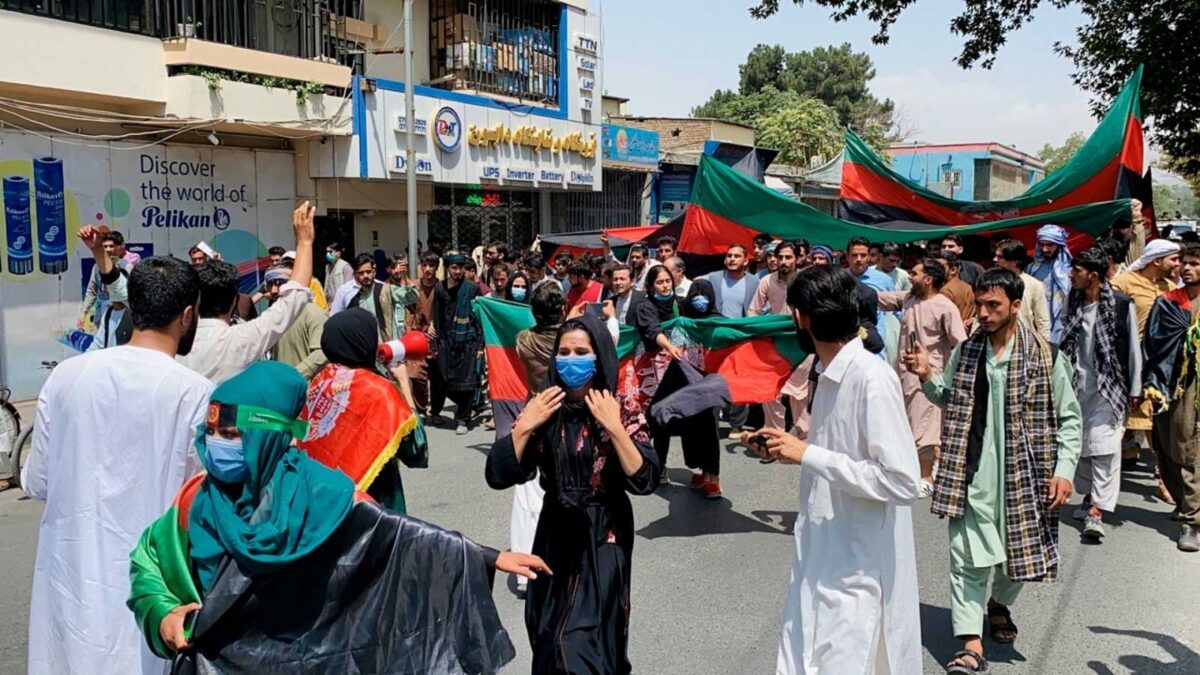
column 1107, row 167
column 755, row 355
column 729, row 207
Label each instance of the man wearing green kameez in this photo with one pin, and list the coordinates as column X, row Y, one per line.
column 1011, row 440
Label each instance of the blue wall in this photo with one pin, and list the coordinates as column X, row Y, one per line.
column 924, row 168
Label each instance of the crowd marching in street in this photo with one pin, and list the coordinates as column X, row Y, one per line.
column 215, row 476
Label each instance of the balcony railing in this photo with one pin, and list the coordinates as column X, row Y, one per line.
column 307, row 29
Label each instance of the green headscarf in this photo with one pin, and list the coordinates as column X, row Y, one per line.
column 289, row 504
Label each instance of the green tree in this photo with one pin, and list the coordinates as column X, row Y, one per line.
column 746, row 108
column 763, row 68
column 801, row 131
column 772, row 80
column 1057, row 156
column 838, row 76
column 1116, row 37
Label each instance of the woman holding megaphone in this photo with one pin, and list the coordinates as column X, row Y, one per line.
column 358, row 420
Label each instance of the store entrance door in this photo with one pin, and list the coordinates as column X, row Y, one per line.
column 472, row 228
column 336, row 226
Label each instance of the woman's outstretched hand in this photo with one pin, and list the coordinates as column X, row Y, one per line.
column 521, row 564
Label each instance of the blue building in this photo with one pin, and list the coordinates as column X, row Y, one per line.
column 968, row 171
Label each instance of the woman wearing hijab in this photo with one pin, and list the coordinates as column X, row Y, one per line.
column 358, row 420
column 590, row 449
column 518, row 287
column 271, row 543
column 699, row 435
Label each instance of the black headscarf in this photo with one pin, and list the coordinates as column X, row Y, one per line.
column 528, row 287
column 602, row 344
column 351, row 338
column 700, row 287
column 571, row 450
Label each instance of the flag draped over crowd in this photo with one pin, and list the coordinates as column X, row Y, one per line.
column 755, row 355
column 729, row 207
column 1108, row 166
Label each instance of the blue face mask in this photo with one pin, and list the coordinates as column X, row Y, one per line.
column 226, row 461
column 329, row 258
column 663, row 297
column 575, row 371
column 518, row 294
column 700, row 303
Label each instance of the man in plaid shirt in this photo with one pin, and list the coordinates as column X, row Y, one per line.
column 1010, row 441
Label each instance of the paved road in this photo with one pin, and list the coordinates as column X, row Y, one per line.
column 710, row 577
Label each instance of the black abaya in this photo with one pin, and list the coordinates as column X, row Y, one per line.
column 456, row 360
column 578, row 619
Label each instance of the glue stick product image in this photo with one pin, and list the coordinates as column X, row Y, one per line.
column 51, row 214
column 17, row 225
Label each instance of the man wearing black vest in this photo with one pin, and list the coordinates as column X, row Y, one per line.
column 1100, row 342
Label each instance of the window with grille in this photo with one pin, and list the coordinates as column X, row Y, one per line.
column 504, row 47
column 470, row 216
column 618, row 205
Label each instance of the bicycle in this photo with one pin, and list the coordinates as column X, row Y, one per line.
column 16, row 447
column 10, row 431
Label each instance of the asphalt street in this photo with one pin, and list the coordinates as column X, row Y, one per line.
column 710, row 577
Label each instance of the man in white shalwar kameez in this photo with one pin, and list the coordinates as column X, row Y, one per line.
column 112, row 444
column 1101, row 344
column 852, row 603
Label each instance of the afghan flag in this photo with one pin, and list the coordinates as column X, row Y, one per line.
column 1107, row 167
column 729, row 207
column 384, row 593
column 755, row 355
column 356, row 421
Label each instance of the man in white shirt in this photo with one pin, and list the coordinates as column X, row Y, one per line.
column 223, row 350
column 624, row 298
column 112, row 444
column 677, row 267
column 852, row 604
column 640, row 263
column 337, row 271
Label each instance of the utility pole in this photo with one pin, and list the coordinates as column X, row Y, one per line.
column 410, row 138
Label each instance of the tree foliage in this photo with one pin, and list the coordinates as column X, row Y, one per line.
column 1056, row 156
column 1116, row 37
column 805, row 129
column 800, row 127
column 773, row 80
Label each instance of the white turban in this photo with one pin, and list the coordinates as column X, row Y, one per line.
column 1159, row 248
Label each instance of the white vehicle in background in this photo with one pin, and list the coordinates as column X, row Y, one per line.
column 1177, row 228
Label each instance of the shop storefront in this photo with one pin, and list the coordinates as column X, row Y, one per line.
column 630, row 160
column 466, row 216
column 492, row 147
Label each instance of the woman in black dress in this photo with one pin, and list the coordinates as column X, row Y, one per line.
column 698, row 433
column 591, row 448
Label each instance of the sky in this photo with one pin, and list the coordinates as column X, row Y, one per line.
column 667, row 56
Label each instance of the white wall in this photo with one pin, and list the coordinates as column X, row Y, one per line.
column 61, row 55
column 241, row 204
column 388, row 13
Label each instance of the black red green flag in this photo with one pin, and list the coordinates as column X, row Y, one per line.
column 729, row 207
column 755, row 354
column 1107, row 167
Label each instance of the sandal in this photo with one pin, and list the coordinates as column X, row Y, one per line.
column 957, row 667
column 1005, row 626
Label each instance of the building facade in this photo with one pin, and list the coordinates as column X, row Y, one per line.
column 182, row 121
column 508, row 118
column 968, row 171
